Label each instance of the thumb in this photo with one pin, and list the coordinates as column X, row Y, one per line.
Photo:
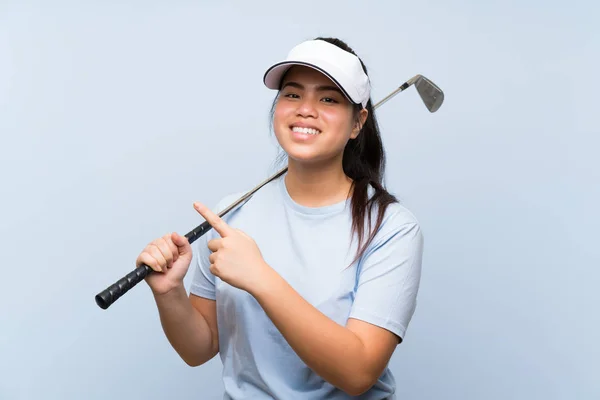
column 183, row 245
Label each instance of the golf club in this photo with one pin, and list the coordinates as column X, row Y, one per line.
column 431, row 95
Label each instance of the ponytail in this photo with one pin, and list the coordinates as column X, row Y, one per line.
column 364, row 162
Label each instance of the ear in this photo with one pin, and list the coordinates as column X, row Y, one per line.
column 362, row 117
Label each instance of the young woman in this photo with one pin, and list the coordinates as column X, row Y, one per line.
column 307, row 288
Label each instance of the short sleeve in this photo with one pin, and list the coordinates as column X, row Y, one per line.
column 203, row 281
column 389, row 276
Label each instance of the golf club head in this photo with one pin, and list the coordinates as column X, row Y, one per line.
column 430, row 93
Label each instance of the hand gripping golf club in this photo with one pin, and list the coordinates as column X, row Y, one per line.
column 431, row 95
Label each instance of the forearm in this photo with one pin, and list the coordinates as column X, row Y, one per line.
column 185, row 328
column 332, row 351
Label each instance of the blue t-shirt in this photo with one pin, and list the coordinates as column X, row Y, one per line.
column 311, row 249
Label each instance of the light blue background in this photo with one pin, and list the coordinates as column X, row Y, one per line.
column 116, row 116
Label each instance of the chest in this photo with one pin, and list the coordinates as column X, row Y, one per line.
column 312, row 254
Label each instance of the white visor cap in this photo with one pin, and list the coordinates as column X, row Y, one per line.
column 342, row 67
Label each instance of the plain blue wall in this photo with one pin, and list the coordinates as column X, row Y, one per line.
column 116, row 116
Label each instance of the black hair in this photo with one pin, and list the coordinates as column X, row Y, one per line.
column 364, row 162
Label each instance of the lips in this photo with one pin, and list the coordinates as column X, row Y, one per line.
column 304, row 128
column 306, row 131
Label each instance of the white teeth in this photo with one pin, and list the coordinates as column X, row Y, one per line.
column 309, row 131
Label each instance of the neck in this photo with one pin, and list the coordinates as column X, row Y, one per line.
column 317, row 185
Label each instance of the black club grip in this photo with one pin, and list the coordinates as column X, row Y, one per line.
column 109, row 295
column 112, row 293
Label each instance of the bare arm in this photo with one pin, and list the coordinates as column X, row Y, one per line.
column 190, row 324
column 350, row 358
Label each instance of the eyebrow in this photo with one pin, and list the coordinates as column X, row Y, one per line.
column 322, row 88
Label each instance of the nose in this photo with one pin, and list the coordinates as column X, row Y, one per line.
column 306, row 107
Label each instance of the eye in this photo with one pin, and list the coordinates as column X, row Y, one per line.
column 330, row 100
column 291, row 95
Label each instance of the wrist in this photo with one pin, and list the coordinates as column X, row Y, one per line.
column 267, row 280
column 172, row 294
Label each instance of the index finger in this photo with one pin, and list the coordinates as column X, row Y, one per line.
column 214, row 220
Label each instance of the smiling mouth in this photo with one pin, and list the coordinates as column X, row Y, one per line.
column 306, row 131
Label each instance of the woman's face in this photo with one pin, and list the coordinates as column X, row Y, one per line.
column 313, row 120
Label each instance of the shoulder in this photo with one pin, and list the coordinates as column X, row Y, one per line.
column 227, row 200
column 398, row 226
column 397, row 214
column 396, row 217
